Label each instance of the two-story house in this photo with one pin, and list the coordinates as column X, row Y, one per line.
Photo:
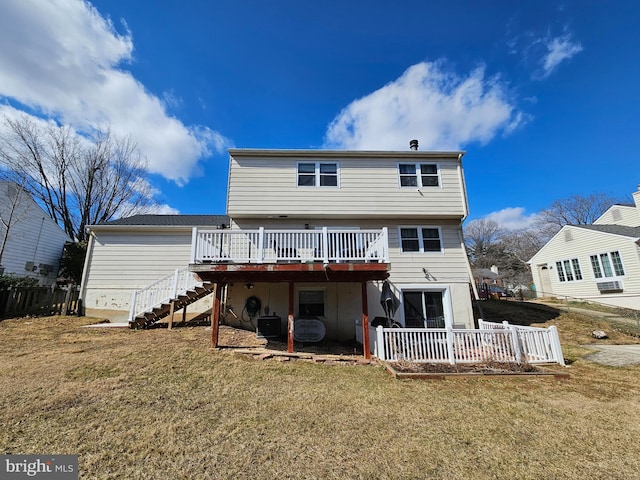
column 313, row 240
column 597, row 263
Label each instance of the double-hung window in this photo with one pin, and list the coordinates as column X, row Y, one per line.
column 418, row 175
column 420, row 239
column 317, row 174
column 311, row 303
column 607, row 265
column 569, row 270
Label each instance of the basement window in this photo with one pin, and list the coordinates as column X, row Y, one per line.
column 311, row 303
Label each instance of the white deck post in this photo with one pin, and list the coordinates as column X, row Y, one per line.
column 261, row 245
column 385, row 245
column 194, row 239
column 132, row 308
column 450, row 352
column 325, row 245
column 174, row 288
column 378, row 349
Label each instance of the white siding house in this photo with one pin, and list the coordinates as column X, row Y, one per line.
column 313, row 235
column 599, row 262
column 33, row 242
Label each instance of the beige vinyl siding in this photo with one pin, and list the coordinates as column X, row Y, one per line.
column 368, row 186
column 447, row 266
column 620, row 215
column 122, row 262
column 134, row 261
column 582, row 245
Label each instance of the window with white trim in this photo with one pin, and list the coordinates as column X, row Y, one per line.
column 420, row 239
column 569, row 270
column 317, row 174
column 607, row 265
column 423, row 309
column 418, row 175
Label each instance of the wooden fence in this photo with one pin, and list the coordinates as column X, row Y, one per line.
column 21, row 301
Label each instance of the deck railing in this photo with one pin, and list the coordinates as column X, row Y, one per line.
column 491, row 343
column 271, row 246
column 161, row 291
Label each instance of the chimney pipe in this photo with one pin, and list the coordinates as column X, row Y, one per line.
column 413, row 144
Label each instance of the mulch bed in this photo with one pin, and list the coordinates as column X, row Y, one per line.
column 440, row 371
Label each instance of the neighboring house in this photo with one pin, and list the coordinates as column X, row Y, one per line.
column 30, row 241
column 598, row 262
column 486, row 277
column 313, row 235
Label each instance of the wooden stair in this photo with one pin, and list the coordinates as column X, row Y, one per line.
column 157, row 313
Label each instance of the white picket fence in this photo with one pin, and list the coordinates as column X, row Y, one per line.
column 492, row 342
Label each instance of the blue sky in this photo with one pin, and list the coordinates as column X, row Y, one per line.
column 542, row 95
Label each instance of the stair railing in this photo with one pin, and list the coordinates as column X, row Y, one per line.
column 161, row 291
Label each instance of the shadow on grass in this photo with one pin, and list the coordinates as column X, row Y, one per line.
column 514, row 312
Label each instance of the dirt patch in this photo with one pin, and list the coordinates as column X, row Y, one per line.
column 406, row 367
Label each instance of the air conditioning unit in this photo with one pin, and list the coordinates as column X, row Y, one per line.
column 45, row 269
column 30, row 267
column 609, row 287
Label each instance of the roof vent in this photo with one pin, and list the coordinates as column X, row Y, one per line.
column 413, row 144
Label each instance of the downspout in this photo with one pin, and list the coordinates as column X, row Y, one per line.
column 85, row 268
column 464, row 188
column 465, row 215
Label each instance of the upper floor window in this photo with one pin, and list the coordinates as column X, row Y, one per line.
column 317, row 174
column 420, row 239
column 418, row 175
column 569, row 270
column 607, row 265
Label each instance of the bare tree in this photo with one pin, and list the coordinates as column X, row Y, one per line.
column 78, row 180
column 13, row 210
column 481, row 237
column 575, row 210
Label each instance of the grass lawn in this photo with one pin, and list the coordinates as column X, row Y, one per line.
column 161, row 404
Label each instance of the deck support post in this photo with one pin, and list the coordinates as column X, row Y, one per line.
column 290, row 319
column 215, row 316
column 365, row 323
column 172, row 311
column 184, row 314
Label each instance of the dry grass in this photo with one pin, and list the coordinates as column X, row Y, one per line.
column 161, row 404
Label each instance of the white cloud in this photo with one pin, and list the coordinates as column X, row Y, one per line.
column 441, row 109
column 63, row 59
column 512, row 218
column 559, row 49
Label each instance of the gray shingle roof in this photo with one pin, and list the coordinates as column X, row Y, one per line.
column 633, row 232
column 173, row 220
